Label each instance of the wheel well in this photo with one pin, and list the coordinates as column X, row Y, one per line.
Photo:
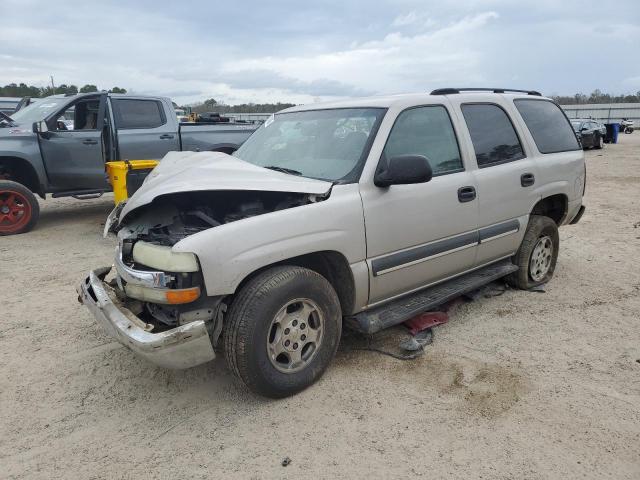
column 554, row 207
column 21, row 171
column 331, row 265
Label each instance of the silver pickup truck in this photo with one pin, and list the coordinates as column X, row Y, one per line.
column 363, row 213
column 59, row 145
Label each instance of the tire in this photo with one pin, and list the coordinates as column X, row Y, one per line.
column 274, row 309
column 19, row 208
column 598, row 142
column 535, row 262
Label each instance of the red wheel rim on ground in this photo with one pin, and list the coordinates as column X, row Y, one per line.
column 15, row 211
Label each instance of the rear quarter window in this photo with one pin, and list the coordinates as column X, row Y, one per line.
column 132, row 113
column 548, row 125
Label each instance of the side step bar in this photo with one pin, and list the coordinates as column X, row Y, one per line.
column 80, row 193
column 402, row 309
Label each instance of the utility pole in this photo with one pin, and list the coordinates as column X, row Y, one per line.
column 52, row 84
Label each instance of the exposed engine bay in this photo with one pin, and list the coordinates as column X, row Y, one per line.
column 170, row 218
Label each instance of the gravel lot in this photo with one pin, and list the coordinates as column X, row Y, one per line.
column 524, row 385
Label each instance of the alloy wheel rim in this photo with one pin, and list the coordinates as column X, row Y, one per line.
column 15, row 211
column 295, row 335
column 541, row 258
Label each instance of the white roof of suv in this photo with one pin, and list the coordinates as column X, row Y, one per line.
column 388, row 101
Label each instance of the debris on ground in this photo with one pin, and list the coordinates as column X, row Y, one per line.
column 538, row 288
column 426, row 320
column 418, row 341
column 493, row 289
column 286, row 461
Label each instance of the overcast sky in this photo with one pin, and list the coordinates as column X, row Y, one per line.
column 303, row 51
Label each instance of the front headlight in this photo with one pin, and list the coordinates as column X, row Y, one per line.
column 163, row 258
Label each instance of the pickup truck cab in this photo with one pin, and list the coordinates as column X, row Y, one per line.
column 60, row 144
column 361, row 213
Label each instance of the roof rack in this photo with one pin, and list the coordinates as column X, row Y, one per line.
column 451, row 91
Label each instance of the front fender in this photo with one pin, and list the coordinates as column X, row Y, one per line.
column 25, row 148
column 231, row 252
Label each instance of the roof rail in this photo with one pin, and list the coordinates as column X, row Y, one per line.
column 451, row 91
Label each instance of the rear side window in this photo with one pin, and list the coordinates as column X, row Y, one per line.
column 131, row 113
column 426, row 131
column 548, row 126
column 494, row 139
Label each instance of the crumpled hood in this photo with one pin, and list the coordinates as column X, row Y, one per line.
column 209, row 171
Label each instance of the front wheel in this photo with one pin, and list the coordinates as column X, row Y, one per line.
column 282, row 330
column 538, row 253
column 599, row 142
column 19, row 208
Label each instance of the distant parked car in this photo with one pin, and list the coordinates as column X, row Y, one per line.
column 589, row 132
column 626, row 126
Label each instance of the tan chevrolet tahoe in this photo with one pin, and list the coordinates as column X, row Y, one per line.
column 359, row 213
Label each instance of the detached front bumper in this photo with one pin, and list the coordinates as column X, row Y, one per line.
column 181, row 347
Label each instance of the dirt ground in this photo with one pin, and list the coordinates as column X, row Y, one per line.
column 523, row 385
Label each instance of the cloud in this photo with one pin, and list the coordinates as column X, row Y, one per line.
column 303, row 51
column 413, row 18
column 396, row 63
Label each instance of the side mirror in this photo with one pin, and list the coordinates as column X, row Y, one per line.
column 584, row 129
column 40, row 127
column 404, row 170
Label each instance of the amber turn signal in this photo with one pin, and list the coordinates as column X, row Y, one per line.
column 185, row 295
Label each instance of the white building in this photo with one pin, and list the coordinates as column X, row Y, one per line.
column 605, row 112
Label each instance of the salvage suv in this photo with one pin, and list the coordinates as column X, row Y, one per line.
column 360, row 213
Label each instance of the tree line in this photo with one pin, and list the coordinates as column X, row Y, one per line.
column 596, row 97
column 24, row 90
column 212, row 105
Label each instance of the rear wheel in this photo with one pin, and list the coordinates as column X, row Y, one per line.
column 282, row 330
column 19, row 208
column 538, row 253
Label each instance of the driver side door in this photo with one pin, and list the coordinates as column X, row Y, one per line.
column 420, row 234
column 73, row 148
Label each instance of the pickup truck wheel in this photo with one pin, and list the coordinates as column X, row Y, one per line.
column 536, row 258
column 19, row 208
column 282, row 330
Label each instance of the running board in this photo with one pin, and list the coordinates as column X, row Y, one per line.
column 80, row 193
column 402, row 309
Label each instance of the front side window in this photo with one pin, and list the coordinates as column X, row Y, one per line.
column 82, row 115
column 325, row 144
column 130, row 113
column 549, row 127
column 426, row 131
column 494, row 139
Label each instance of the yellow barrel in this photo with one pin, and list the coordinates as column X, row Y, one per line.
column 117, row 172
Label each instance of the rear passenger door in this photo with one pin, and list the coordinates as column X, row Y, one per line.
column 420, row 234
column 143, row 131
column 505, row 178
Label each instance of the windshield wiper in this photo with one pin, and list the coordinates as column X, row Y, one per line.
column 290, row 171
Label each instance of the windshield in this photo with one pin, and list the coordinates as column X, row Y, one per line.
column 576, row 126
column 38, row 111
column 324, row 144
